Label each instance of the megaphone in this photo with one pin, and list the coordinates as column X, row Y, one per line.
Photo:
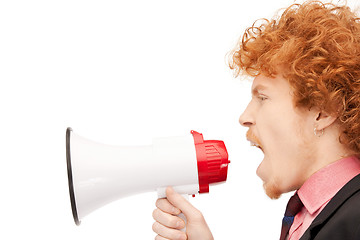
column 99, row 174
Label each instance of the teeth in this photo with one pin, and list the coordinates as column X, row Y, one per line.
column 256, row 145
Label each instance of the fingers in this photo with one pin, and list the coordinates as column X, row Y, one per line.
column 168, row 220
column 158, row 237
column 168, row 224
column 168, row 233
column 166, row 206
column 181, row 203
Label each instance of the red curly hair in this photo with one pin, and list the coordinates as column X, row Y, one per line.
column 317, row 48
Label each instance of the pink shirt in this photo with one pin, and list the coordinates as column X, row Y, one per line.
column 319, row 189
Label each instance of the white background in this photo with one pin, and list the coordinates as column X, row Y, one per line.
column 123, row 72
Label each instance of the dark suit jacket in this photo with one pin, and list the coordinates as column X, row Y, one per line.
column 340, row 219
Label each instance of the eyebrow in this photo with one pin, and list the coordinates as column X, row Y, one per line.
column 255, row 90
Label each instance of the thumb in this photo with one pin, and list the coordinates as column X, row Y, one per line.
column 180, row 202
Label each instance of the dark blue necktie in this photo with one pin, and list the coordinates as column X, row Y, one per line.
column 293, row 207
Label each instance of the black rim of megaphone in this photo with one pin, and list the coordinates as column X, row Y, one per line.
column 70, row 178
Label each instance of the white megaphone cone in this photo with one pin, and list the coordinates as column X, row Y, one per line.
column 99, row 174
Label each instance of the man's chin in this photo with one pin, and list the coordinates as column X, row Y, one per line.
column 272, row 189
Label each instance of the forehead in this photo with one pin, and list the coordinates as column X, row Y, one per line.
column 274, row 84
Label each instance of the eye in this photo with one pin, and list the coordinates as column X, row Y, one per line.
column 262, row 97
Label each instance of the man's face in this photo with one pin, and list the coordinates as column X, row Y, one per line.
column 282, row 131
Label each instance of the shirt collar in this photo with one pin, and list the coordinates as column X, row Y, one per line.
column 325, row 183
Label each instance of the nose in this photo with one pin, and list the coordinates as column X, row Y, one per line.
column 246, row 118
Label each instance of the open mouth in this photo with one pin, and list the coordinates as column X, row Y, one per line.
column 256, row 145
column 254, row 141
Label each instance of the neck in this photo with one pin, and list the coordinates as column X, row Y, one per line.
column 327, row 150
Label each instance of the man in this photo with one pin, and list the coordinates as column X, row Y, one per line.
column 304, row 115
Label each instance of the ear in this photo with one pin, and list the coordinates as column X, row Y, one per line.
column 324, row 120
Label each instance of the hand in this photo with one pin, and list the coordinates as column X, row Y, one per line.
column 168, row 225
